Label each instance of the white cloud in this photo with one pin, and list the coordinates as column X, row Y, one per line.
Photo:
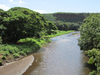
column 42, row 2
column 11, row 0
column 4, row 7
column 19, row 2
column 41, row 11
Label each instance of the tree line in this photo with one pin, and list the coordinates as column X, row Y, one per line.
column 90, row 40
column 66, row 21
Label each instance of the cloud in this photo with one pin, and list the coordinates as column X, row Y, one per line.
column 41, row 11
column 11, row 0
column 42, row 2
column 19, row 2
column 4, row 7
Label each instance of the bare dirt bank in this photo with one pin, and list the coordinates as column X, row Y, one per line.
column 17, row 67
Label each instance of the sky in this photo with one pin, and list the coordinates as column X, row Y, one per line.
column 53, row 6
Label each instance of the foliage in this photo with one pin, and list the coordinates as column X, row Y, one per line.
column 67, row 25
column 49, row 17
column 59, row 33
column 51, row 27
column 3, row 57
column 8, row 49
column 15, row 55
column 70, row 17
column 74, row 26
column 90, row 32
column 90, row 40
column 25, row 47
column 0, row 40
column 66, row 21
column 61, row 25
column 94, row 55
column 22, row 53
column 19, row 23
column 6, row 53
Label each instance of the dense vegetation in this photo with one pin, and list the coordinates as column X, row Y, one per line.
column 90, row 40
column 71, row 21
column 21, row 22
column 21, row 32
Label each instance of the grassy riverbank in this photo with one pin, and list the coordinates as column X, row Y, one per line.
column 11, row 52
column 59, row 33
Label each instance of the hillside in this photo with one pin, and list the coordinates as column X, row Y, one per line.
column 71, row 17
column 67, row 21
column 66, row 17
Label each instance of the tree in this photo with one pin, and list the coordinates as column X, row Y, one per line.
column 51, row 26
column 49, row 17
column 90, row 32
column 22, row 22
column 61, row 25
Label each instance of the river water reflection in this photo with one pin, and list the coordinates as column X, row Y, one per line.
column 60, row 57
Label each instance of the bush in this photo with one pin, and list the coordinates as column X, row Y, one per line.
column 90, row 32
column 22, row 53
column 6, row 53
column 94, row 55
column 3, row 57
column 90, row 40
column 9, row 48
column 16, row 55
column 22, row 22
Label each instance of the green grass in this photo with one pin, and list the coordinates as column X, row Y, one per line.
column 59, row 33
column 24, row 47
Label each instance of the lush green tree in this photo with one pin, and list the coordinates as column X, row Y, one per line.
column 73, row 26
column 90, row 32
column 90, row 40
column 49, row 17
column 61, row 25
column 51, row 27
column 66, row 21
column 21, row 23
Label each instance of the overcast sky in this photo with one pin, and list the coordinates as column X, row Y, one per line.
column 52, row 6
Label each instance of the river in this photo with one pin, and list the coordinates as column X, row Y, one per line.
column 60, row 57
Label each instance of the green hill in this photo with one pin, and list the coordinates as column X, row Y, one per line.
column 66, row 21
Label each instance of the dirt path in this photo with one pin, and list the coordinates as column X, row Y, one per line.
column 17, row 67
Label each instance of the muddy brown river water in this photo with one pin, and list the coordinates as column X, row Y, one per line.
column 60, row 57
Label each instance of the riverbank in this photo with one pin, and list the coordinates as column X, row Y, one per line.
column 24, row 47
column 17, row 67
column 59, row 33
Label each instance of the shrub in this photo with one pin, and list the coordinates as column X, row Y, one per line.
column 6, row 53
column 9, row 48
column 3, row 57
column 16, row 55
column 11, row 57
column 90, row 32
column 22, row 53
column 94, row 55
